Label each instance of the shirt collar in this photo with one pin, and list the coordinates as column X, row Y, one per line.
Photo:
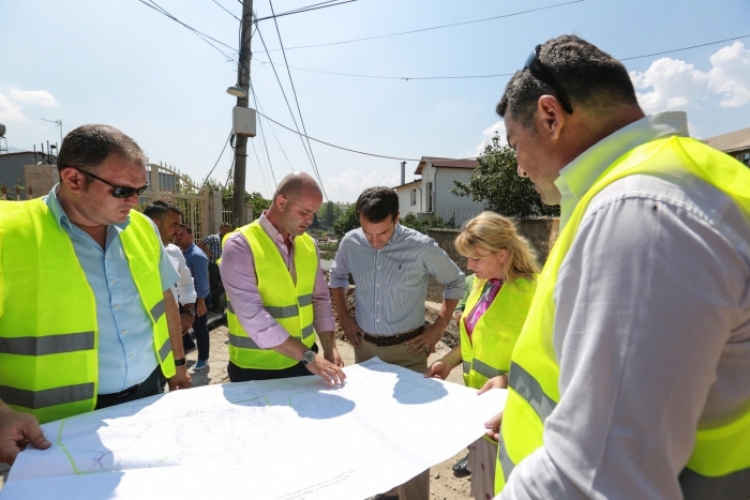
column 396, row 233
column 271, row 229
column 62, row 219
column 579, row 175
column 54, row 206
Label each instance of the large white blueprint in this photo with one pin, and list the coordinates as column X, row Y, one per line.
column 290, row 439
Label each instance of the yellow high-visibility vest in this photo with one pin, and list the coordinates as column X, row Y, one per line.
column 48, row 327
column 721, row 455
column 487, row 354
column 288, row 303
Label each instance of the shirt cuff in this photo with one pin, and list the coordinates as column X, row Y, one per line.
column 338, row 282
column 324, row 325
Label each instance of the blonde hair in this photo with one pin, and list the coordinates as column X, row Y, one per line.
column 493, row 232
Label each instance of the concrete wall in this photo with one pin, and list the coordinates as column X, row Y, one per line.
column 541, row 233
column 40, row 179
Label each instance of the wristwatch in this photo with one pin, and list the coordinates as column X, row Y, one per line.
column 189, row 311
column 308, row 357
column 179, row 362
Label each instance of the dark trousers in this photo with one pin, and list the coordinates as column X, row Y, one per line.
column 215, row 283
column 237, row 374
column 200, row 330
column 154, row 384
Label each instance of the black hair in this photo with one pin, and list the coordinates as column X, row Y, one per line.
column 377, row 203
column 589, row 77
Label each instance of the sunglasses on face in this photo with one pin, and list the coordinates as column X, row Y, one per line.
column 120, row 192
column 538, row 71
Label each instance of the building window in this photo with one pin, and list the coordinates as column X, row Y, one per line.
column 746, row 159
column 428, row 193
column 413, row 197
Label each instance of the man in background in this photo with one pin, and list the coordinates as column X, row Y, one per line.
column 168, row 218
column 197, row 262
column 211, row 246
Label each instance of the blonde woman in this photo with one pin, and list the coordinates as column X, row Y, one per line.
column 496, row 309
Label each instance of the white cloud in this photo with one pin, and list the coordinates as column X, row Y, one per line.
column 489, row 133
column 348, row 185
column 730, row 75
column 34, row 97
column 674, row 84
column 9, row 111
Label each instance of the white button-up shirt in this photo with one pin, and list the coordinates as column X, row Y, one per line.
column 652, row 329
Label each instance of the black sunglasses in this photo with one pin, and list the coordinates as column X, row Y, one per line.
column 121, row 192
column 538, row 71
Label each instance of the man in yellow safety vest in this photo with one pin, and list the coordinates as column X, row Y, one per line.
column 277, row 295
column 87, row 317
column 630, row 376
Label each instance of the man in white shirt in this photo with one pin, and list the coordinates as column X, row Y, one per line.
column 168, row 218
column 632, row 375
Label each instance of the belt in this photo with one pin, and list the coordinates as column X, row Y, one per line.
column 389, row 340
column 130, row 390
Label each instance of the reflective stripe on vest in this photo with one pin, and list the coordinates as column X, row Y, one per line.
column 487, row 353
column 43, row 369
column 277, row 290
column 719, row 467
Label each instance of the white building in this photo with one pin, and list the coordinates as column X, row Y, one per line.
column 431, row 195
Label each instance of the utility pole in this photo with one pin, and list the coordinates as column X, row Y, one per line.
column 243, row 80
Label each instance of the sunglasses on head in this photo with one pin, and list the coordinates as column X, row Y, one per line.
column 121, row 192
column 538, row 71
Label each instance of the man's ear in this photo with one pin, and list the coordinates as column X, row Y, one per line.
column 551, row 116
column 396, row 219
column 280, row 202
column 73, row 179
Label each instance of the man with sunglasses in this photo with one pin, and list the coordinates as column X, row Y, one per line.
column 87, row 317
column 630, row 377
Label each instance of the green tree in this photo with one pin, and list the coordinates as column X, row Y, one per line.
column 496, row 182
column 349, row 220
column 328, row 214
column 258, row 202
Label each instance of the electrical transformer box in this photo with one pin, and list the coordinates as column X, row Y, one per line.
column 243, row 121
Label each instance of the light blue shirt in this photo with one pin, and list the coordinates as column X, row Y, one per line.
column 126, row 343
column 392, row 282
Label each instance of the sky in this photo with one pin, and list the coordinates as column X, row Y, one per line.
column 122, row 63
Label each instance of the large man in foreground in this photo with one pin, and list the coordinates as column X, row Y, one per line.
column 277, row 294
column 630, row 378
column 391, row 265
column 87, row 317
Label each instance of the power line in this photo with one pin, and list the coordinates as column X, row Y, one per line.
column 218, row 159
column 268, row 153
column 226, row 10
column 283, row 92
column 309, row 8
column 206, row 38
column 387, row 77
column 334, row 145
column 260, row 169
column 463, row 77
column 260, row 123
column 259, row 106
column 685, row 48
column 451, row 25
column 296, row 100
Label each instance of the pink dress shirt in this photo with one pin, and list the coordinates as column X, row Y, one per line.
column 241, row 284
